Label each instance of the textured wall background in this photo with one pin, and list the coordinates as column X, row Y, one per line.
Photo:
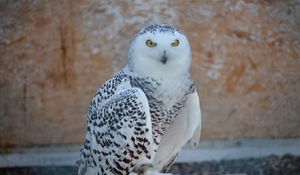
column 55, row 54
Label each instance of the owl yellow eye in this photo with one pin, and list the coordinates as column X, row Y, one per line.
column 150, row 43
column 175, row 43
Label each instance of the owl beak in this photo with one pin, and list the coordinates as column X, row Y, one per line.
column 164, row 58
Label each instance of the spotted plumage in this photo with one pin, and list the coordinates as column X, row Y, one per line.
column 159, row 28
column 139, row 119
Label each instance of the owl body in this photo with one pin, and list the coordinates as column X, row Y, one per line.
column 140, row 119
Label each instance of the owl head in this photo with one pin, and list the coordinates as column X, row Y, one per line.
column 160, row 50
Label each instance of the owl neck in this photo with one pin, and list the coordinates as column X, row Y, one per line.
column 173, row 69
column 159, row 71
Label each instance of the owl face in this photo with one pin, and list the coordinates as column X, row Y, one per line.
column 160, row 49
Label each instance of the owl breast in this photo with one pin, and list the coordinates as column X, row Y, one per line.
column 165, row 98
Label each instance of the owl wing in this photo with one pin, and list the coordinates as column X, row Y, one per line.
column 186, row 126
column 119, row 135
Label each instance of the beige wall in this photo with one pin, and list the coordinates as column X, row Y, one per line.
column 55, row 54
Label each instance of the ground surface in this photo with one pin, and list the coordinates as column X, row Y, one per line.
column 271, row 165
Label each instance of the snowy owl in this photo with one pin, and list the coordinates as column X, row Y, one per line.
column 140, row 119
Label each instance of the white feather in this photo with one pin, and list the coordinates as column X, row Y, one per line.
column 196, row 112
column 187, row 125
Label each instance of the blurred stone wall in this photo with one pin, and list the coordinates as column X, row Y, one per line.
column 55, row 54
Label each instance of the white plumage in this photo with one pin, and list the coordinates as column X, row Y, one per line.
column 140, row 119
